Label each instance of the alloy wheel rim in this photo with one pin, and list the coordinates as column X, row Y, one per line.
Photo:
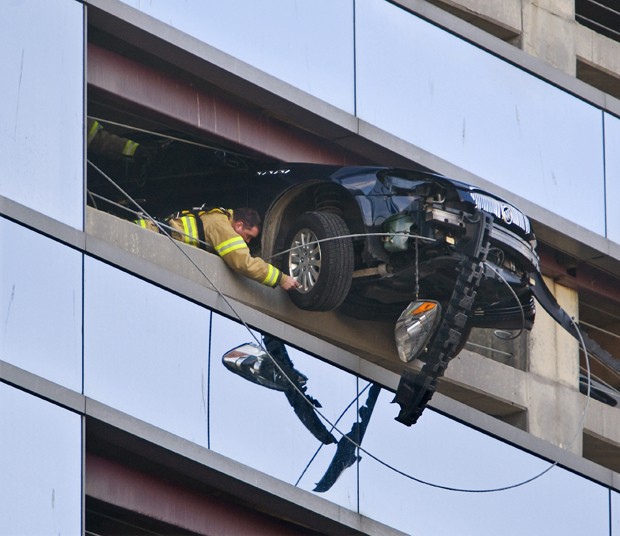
column 304, row 260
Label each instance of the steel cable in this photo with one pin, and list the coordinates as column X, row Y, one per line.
column 162, row 229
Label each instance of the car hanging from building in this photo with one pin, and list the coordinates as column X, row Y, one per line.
column 434, row 255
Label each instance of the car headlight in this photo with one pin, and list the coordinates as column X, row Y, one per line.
column 414, row 328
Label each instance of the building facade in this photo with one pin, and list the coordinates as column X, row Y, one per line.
column 117, row 415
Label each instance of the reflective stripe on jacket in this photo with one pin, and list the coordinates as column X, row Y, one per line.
column 187, row 227
column 146, row 223
column 104, row 143
column 234, row 251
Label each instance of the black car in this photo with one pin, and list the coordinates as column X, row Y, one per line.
column 370, row 241
column 386, row 235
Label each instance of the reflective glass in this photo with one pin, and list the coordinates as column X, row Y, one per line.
column 307, row 43
column 615, row 513
column 257, row 426
column 145, row 351
column 442, row 452
column 470, row 108
column 612, row 176
column 40, row 466
column 41, row 304
column 41, row 110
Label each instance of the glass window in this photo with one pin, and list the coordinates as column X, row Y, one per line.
column 612, row 176
column 145, row 351
column 41, row 304
column 41, row 110
column 470, row 108
column 615, row 513
column 158, row 358
column 307, row 43
column 40, row 466
column 258, row 427
column 443, row 452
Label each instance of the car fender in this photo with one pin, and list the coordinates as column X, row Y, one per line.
column 293, row 202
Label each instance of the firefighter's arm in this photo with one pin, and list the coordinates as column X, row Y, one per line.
column 236, row 255
column 106, row 144
column 259, row 270
column 235, row 252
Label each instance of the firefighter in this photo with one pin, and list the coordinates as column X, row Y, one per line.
column 106, row 144
column 227, row 233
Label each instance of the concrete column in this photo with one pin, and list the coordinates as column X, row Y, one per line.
column 598, row 60
column 549, row 32
column 555, row 408
column 502, row 19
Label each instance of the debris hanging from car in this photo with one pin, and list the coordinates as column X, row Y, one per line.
column 374, row 243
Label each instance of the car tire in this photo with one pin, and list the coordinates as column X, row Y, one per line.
column 323, row 269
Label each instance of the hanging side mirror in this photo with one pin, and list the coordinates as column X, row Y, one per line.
column 252, row 363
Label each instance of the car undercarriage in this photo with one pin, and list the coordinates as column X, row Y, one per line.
column 370, row 242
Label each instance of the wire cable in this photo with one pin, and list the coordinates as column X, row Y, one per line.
column 284, row 252
column 514, row 294
column 336, row 422
column 355, row 235
column 141, row 210
column 501, row 488
column 601, row 330
column 169, row 137
column 493, row 350
column 221, row 294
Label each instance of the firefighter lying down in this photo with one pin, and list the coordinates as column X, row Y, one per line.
column 227, row 233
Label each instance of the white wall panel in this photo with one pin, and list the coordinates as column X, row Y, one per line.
column 40, row 466
column 258, row 427
column 612, row 176
column 41, row 109
column 40, row 305
column 307, row 43
column 145, row 351
column 479, row 112
column 440, row 452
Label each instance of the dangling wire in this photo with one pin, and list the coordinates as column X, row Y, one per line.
column 417, row 271
column 490, row 349
column 140, row 213
column 171, row 138
column 335, row 423
column 158, row 224
column 578, row 432
column 514, row 294
column 259, row 343
column 354, row 235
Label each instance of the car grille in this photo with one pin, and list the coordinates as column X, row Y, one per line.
column 502, row 211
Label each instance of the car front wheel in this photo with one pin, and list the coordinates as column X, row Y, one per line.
column 320, row 260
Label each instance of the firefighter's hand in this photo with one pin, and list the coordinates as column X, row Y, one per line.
column 288, row 283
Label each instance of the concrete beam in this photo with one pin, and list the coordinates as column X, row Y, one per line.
column 501, row 19
column 553, row 407
column 172, row 459
column 548, row 32
column 205, row 278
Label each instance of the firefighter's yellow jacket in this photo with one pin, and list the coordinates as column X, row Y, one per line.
column 222, row 239
column 107, row 144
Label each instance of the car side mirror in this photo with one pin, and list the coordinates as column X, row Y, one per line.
column 254, row 364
